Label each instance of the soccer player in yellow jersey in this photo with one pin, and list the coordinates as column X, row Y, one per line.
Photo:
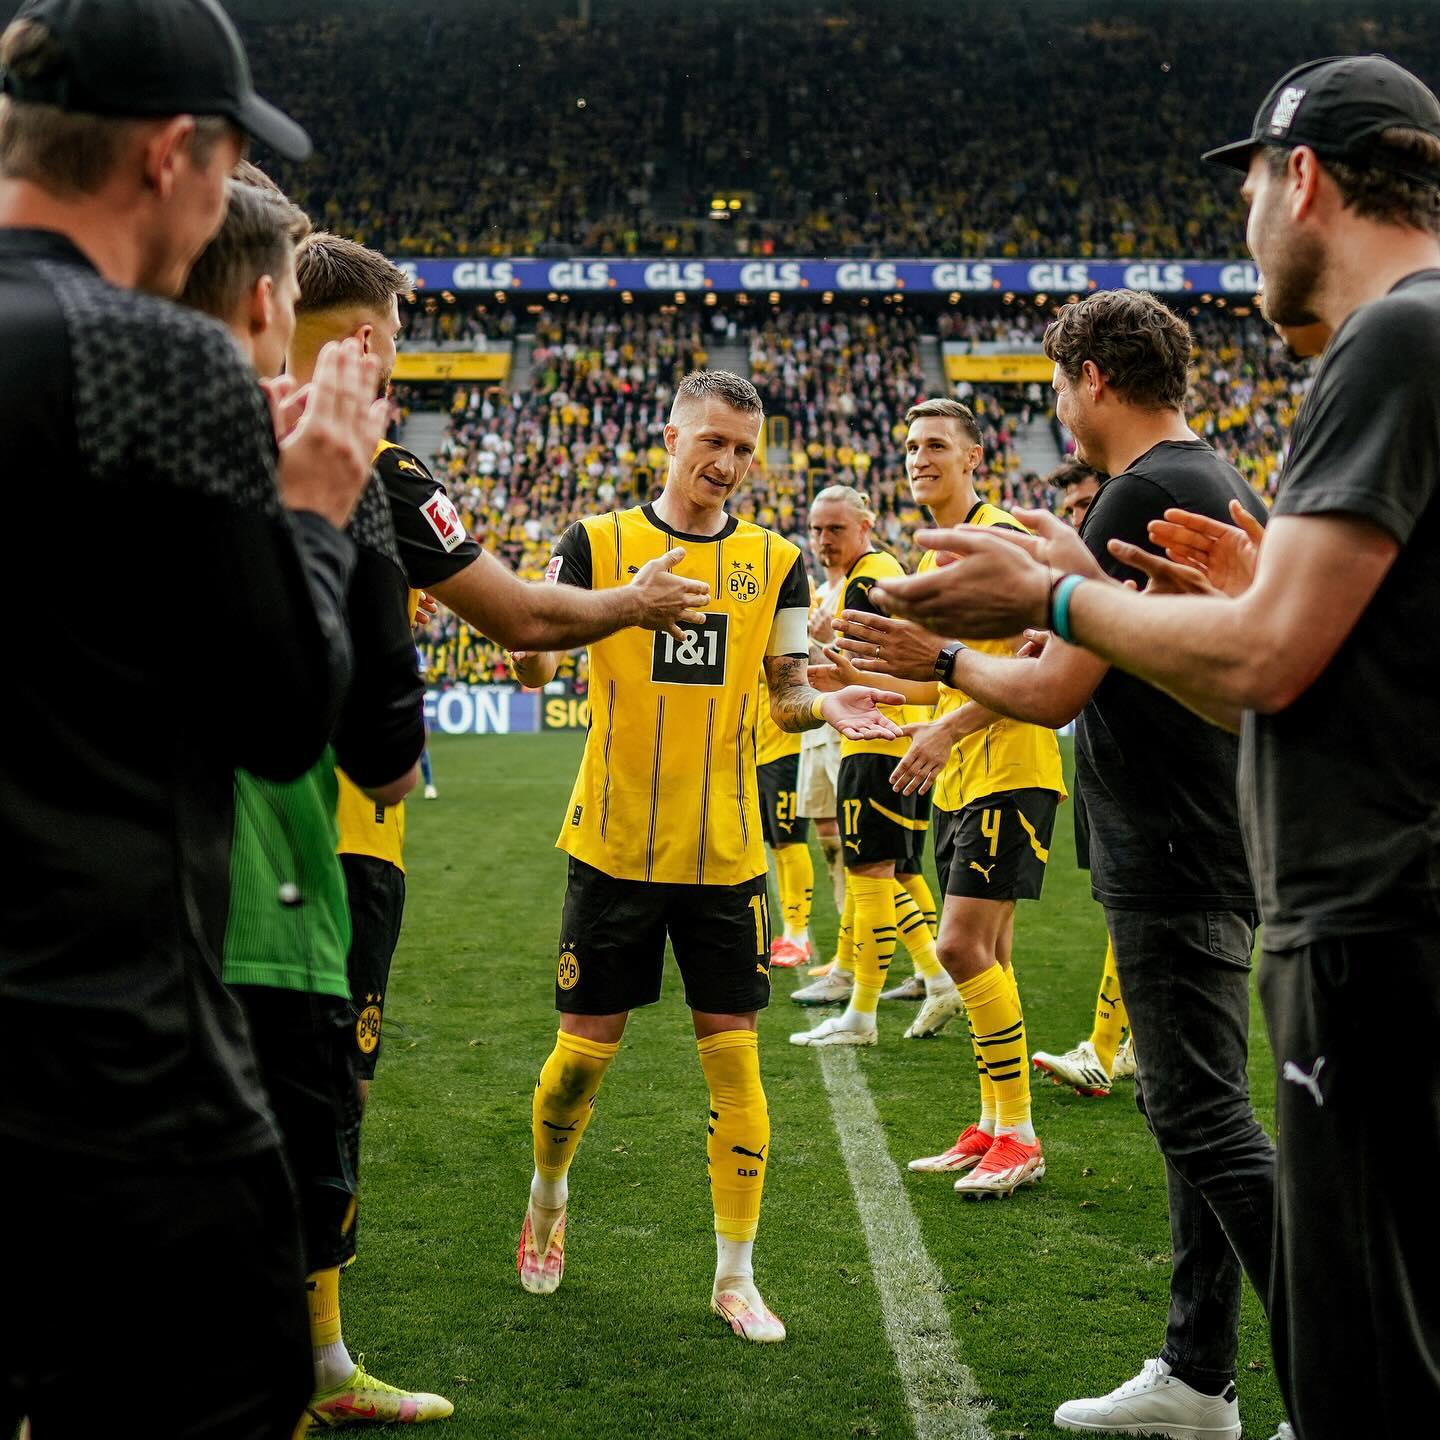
column 777, row 761
column 997, row 786
column 880, row 830
column 663, row 828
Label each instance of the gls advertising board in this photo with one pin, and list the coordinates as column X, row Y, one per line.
column 1022, row 277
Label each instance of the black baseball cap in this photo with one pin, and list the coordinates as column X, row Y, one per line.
column 149, row 58
column 1338, row 107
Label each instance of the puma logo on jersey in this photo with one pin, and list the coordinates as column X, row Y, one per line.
column 1310, row 1079
column 983, row 869
column 753, row 1154
column 411, row 466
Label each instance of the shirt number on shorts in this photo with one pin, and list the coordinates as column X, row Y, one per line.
column 990, row 829
column 760, row 904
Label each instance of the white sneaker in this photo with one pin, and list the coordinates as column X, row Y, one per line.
column 831, row 989
column 911, row 989
column 837, row 1030
column 1285, row 1432
column 1125, row 1060
column 1079, row 1067
column 431, row 793
column 935, row 1014
column 1155, row 1403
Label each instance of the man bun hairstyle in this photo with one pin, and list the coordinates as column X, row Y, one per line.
column 336, row 274
column 1138, row 344
column 846, row 495
column 962, row 414
column 736, row 391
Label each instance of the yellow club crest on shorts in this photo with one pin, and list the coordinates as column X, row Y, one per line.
column 567, row 973
column 367, row 1026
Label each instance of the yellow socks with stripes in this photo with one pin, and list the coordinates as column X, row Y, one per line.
column 916, row 888
column 873, row 939
column 845, row 937
column 563, row 1103
column 333, row 1365
column 915, row 933
column 992, row 1002
column 1110, row 1016
column 739, row 1132
column 795, row 876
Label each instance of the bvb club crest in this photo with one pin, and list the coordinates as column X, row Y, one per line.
column 567, row 973
column 367, row 1026
column 742, row 584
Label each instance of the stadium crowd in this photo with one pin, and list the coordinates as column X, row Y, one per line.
column 513, row 130
column 585, row 434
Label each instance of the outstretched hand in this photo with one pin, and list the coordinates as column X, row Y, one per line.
column 1226, row 555
column 883, row 646
column 668, row 601
column 929, row 749
column 854, row 712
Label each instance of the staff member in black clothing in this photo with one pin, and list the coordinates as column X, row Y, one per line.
column 1328, row 660
column 135, row 1142
column 1167, row 860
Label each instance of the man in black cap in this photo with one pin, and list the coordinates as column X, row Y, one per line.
column 136, row 1145
column 1326, row 660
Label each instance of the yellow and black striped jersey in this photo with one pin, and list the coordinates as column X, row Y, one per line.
column 854, row 594
column 1008, row 755
column 667, row 789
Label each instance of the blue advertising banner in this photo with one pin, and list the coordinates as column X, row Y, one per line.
column 935, row 277
column 482, row 710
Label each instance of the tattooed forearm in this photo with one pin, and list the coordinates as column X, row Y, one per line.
column 792, row 700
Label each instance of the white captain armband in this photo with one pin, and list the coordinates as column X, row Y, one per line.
column 789, row 634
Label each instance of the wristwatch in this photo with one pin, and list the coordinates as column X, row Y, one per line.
column 945, row 661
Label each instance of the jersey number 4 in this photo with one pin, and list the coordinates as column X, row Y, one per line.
column 697, row 658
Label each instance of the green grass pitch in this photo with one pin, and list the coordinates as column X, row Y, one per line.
column 1060, row 1292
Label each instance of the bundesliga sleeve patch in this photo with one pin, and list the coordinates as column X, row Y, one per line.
column 552, row 570
column 444, row 519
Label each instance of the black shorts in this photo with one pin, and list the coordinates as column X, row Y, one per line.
column 612, row 944
column 779, row 780
column 996, row 847
column 877, row 823
column 377, row 906
column 306, row 1054
column 914, row 862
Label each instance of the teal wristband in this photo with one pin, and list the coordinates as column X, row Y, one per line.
column 1060, row 597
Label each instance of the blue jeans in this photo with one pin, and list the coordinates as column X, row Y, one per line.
column 1185, row 979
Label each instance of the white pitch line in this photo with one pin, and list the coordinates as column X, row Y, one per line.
column 945, row 1402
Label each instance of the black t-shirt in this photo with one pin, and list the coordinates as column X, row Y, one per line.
column 434, row 545
column 1157, row 781
column 1342, row 789
column 188, row 642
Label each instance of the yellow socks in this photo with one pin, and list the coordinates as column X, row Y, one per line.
column 563, row 1103
column 1110, row 1016
column 739, row 1130
column 795, row 877
column 915, row 934
column 333, row 1365
column 916, row 888
column 873, row 937
column 845, row 938
column 992, row 1002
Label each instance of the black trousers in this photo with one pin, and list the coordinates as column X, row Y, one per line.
column 1185, row 976
column 1355, row 1026
column 168, row 1303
